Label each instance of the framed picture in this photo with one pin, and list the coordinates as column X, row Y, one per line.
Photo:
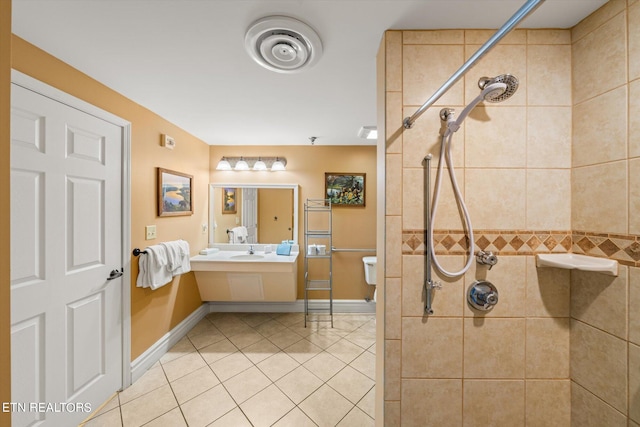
column 345, row 189
column 229, row 205
column 174, row 193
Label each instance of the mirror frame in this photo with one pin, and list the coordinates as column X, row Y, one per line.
column 212, row 204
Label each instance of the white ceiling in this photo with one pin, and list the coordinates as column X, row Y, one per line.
column 185, row 59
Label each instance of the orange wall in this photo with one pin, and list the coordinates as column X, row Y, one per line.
column 153, row 313
column 306, row 165
column 5, row 278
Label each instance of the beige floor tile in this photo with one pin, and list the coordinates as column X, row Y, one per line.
column 326, row 407
column 231, row 366
column 246, row 384
column 149, row 381
column 278, row 365
column 261, row 350
column 191, row 385
column 203, row 325
column 324, row 338
column 267, row 407
column 179, row 349
column 345, row 351
column 368, row 403
column 303, row 350
column 285, row 338
column 172, row 418
column 206, row 338
column 351, row 384
column 302, row 330
column 366, row 364
column 269, row 328
column 255, row 319
column 362, row 338
column 324, row 366
column 265, row 378
column 111, row 418
column 184, row 365
column 148, row 407
column 299, row 384
column 235, row 418
column 289, row 319
column 200, row 411
column 112, row 403
column 295, row 418
column 214, row 352
column 245, row 339
column 372, row 349
column 356, row 418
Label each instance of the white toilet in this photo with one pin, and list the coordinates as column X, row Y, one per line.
column 370, row 272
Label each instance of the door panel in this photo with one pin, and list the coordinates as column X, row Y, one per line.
column 27, row 350
column 66, row 236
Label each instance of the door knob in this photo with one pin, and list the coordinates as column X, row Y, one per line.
column 114, row 274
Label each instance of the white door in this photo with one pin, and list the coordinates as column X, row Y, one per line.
column 250, row 213
column 66, row 238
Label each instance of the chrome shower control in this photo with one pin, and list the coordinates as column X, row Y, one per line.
column 446, row 114
column 482, row 295
column 487, row 258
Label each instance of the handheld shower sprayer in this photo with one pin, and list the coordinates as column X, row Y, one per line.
column 494, row 89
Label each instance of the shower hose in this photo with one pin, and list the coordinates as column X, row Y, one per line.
column 445, row 156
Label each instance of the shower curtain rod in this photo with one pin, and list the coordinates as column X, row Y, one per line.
column 522, row 13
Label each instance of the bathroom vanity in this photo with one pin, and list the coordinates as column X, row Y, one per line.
column 232, row 273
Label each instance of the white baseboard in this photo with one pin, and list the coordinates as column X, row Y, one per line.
column 147, row 359
column 339, row 306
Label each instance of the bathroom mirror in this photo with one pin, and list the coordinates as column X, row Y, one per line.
column 268, row 212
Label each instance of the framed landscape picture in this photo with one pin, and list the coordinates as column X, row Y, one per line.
column 229, row 205
column 174, row 193
column 345, row 189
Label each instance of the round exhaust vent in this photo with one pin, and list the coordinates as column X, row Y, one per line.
column 283, row 44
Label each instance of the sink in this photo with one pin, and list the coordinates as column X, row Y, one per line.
column 247, row 256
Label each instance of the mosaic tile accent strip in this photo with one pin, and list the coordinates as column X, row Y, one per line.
column 623, row 248
column 502, row 242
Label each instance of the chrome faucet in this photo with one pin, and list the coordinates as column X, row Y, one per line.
column 251, row 251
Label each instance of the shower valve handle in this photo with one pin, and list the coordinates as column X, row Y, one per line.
column 487, row 258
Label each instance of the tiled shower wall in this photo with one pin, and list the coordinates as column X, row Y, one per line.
column 509, row 367
column 559, row 349
column 605, row 311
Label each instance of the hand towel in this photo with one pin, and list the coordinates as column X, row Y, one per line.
column 153, row 268
column 240, row 234
column 177, row 256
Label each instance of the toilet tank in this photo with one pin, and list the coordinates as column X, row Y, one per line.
column 370, row 269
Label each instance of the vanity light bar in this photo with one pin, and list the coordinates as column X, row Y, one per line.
column 242, row 163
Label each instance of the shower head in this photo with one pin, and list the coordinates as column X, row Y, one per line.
column 494, row 89
column 499, row 88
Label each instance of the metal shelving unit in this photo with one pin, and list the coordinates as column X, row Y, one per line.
column 318, row 230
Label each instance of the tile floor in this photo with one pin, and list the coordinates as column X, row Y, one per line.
column 257, row 369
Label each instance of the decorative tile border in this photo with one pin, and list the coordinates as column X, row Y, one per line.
column 623, row 248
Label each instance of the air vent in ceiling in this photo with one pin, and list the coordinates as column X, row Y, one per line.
column 283, row 44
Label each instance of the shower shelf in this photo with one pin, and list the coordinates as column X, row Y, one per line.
column 578, row 262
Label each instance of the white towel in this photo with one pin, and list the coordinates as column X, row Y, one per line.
column 161, row 263
column 240, row 234
column 153, row 268
column 177, row 256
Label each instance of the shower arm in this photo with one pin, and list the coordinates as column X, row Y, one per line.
column 522, row 13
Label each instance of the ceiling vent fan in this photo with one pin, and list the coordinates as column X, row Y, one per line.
column 283, row 44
